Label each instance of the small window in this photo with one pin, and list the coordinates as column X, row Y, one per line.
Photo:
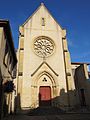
column 20, row 73
column 21, row 48
column 43, row 21
column 44, row 80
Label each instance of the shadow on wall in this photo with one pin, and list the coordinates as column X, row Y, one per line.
column 3, row 105
column 17, row 103
column 58, row 105
column 82, row 85
column 0, row 93
column 67, row 101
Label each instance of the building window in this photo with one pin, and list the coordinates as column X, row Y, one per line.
column 21, row 48
column 20, row 73
column 44, row 80
column 43, row 21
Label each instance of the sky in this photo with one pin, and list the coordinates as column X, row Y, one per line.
column 73, row 15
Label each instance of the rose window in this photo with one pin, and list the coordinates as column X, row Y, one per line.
column 43, row 46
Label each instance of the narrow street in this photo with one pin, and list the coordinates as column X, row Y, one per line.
column 50, row 117
column 48, row 114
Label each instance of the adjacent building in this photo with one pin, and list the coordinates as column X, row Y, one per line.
column 82, row 83
column 8, row 63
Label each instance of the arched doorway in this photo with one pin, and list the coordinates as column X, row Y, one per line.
column 44, row 96
column 44, row 82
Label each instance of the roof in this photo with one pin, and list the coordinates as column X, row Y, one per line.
column 6, row 25
column 42, row 4
column 79, row 63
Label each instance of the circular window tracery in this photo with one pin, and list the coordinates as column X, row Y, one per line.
column 43, row 46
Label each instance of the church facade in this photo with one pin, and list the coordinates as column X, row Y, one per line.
column 44, row 72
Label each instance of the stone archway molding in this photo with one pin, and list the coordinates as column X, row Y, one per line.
column 35, row 82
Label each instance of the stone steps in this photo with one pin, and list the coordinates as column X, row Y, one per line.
column 45, row 111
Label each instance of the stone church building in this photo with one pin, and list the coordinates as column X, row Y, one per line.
column 44, row 72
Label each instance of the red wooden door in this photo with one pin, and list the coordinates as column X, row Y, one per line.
column 45, row 96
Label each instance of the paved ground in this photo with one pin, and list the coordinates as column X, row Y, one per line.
column 49, row 114
column 51, row 117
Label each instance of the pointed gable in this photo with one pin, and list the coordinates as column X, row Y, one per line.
column 45, row 65
column 42, row 10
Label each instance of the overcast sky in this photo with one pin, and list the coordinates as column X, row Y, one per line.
column 73, row 15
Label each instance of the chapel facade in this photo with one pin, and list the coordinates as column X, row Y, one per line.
column 44, row 71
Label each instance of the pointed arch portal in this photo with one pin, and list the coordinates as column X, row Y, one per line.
column 45, row 89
